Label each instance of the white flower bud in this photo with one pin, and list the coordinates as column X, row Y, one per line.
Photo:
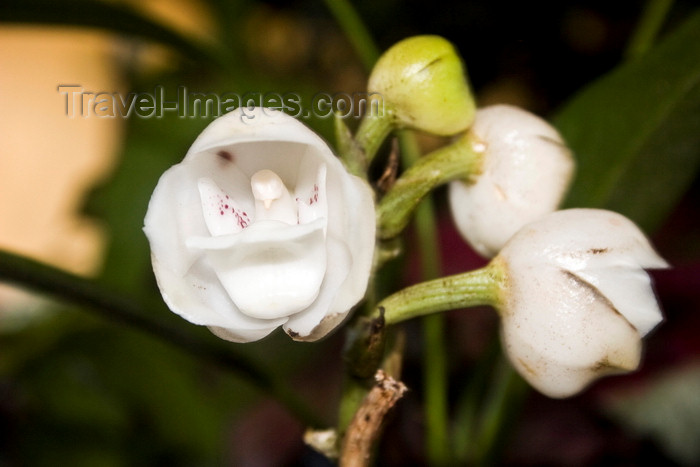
column 577, row 300
column 526, row 170
column 261, row 226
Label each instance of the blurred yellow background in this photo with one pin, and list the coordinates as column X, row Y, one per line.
column 47, row 160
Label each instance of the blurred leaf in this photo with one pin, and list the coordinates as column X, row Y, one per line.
column 666, row 410
column 115, row 17
column 95, row 394
column 355, row 30
column 636, row 131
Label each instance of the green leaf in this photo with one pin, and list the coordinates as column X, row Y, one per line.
column 635, row 131
column 115, row 17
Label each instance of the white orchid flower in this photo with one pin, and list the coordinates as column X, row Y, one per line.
column 526, row 170
column 261, row 226
column 577, row 300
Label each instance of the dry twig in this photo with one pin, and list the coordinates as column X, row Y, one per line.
column 367, row 422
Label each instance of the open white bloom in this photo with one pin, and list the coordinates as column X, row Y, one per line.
column 261, row 226
column 526, row 170
column 577, row 300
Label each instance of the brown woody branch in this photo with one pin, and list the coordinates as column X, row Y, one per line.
column 366, row 425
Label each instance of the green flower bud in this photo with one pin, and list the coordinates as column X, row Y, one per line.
column 424, row 86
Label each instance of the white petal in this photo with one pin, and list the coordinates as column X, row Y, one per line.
column 200, row 299
column 175, row 209
column 316, row 321
column 576, row 239
column 311, row 196
column 174, row 213
column 561, row 334
column 240, row 335
column 222, row 214
column 351, row 202
column 630, row 292
column 271, row 269
column 262, row 138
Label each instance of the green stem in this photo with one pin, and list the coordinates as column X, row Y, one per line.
column 372, row 132
column 354, row 392
column 355, row 30
column 648, row 27
column 458, row 160
column 479, row 287
column 467, row 411
column 505, row 395
column 349, row 150
column 494, row 395
column 118, row 307
column 435, row 384
column 435, row 353
column 374, row 128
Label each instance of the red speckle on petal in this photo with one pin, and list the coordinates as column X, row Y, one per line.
column 241, row 218
column 314, row 195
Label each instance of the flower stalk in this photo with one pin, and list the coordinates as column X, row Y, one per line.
column 479, row 287
column 457, row 161
column 350, row 151
column 372, row 132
